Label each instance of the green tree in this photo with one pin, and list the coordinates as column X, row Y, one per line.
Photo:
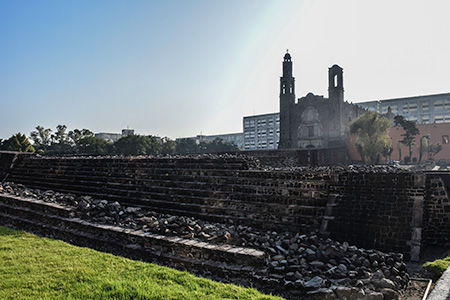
column 372, row 135
column 217, row 145
column 411, row 131
column 18, row 142
column 186, row 146
column 434, row 149
column 84, row 141
column 41, row 138
column 60, row 142
column 168, row 146
column 134, row 144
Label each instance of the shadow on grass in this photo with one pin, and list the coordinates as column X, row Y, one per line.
column 6, row 231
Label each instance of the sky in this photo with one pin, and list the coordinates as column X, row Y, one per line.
column 181, row 68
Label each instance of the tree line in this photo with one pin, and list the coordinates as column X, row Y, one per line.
column 45, row 141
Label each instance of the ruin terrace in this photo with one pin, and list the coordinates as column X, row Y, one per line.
column 303, row 233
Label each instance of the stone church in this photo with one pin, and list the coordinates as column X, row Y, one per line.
column 314, row 121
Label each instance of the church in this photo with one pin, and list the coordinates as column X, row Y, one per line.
column 314, row 121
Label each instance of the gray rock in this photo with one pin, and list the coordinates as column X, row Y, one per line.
column 278, row 257
column 317, row 264
column 321, row 294
column 384, row 283
column 343, row 293
column 310, row 254
column 375, row 296
column 389, row 294
column 316, row 282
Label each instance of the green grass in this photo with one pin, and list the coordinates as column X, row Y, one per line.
column 32, row 267
column 438, row 266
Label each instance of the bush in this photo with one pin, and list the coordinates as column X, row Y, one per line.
column 438, row 266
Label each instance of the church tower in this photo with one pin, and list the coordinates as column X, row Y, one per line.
column 287, row 100
column 335, row 83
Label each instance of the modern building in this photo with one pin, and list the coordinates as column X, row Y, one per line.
column 127, row 131
column 427, row 109
column 114, row 136
column 261, row 132
column 236, row 138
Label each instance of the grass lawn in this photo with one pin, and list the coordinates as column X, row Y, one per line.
column 32, row 267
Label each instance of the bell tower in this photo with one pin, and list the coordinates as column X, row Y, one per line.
column 287, row 100
column 335, row 83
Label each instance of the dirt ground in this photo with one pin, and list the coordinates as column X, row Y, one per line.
column 416, row 288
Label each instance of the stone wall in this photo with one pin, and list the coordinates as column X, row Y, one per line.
column 302, row 157
column 383, row 208
column 223, row 189
column 437, row 212
column 379, row 210
column 7, row 159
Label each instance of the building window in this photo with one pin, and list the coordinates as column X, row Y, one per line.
column 394, row 109
column 445, row 139
column 439, row 119
column 405, row 108
column 447, row 104
column 425, row 106
column 425, row 120
column 310, row 131
column 413, row 108
column 438, row 104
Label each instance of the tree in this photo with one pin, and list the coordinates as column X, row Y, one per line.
column 411, row 131
column 41, row 138
column 217, row 145
column 60, row 142
column 134, row 144
column 168, row 146
column 186, row 146
column 434, row 149
column 18, row 142
column 372, row 135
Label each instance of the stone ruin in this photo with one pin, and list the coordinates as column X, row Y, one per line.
column 300, row 233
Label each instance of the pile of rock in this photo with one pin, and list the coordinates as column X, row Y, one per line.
column 295, row 262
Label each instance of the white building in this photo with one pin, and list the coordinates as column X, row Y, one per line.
column 261, row 132
column 421, row 109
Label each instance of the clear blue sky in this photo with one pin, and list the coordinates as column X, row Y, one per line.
column 178, row 68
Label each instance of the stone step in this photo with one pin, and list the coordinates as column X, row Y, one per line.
column 26, row 210
column 164, row 175
column 217, row 191
column 196, row 196
column 165, row 199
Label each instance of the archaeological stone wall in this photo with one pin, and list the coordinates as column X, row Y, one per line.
column 224, row 189
column 382, row 208
column 437, row 212
column 379, row 210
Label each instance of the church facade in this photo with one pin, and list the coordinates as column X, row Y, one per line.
column 314, row 121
